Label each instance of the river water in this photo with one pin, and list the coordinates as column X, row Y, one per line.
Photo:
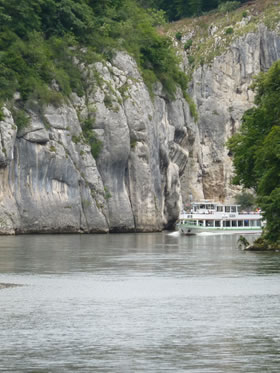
column 138, row 303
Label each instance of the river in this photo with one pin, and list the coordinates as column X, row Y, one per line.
column 138, row 303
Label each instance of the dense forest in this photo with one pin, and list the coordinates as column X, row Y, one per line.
column 39, row 39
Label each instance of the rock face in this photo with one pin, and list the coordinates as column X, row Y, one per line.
column 50, row 182
column 152, row 154
column 222, row 93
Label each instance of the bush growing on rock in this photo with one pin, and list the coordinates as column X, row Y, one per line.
column 188, row 44
column 229, row 31
column 178, row 36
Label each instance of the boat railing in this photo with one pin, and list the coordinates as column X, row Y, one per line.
column 249, row 213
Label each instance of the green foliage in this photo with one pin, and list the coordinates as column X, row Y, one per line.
column 2, row 116
column 133, row 144
column 256, row 149
column 76, row 139
column 229, row 31
column 154, row 53
column 91, row 138
column 108, row 102
column 43, row 41
column 158, row 16
column 178, row 36
column 30, row 66
column 191, row 59
column 188, row 44
column 150, row 79
column 176, row 9
column 107, row 194
column 271, row 206
column 246, row 200
column 229, row 6
column 192, row 106
column 20, row 118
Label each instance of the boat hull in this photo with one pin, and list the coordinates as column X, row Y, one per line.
column 191, row 230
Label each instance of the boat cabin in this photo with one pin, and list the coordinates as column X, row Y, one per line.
column 208, row 207
column 228, row 223
column 207, row 216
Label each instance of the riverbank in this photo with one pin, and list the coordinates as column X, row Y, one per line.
column 260, row 244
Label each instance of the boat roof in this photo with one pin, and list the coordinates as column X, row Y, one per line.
column 208, row 202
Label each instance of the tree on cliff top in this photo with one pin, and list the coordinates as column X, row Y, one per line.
column 177, row 9
column 40, row 38
column 256, row 149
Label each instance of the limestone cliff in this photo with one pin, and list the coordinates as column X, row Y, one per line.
column 222, row 92
column 50, row 181
column 153, row 154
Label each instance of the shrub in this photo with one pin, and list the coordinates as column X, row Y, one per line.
column 108, row 102
column 178, row 36
column 133, row 144
column 2, row 116
column 229, row 31
column 107, row 194
column 91, row 138
column 20, row 118
column 192, row 106
column 188, row 44
column 76, row 139
column 191, row 59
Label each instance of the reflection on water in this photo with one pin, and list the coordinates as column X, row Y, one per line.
column 138, row 303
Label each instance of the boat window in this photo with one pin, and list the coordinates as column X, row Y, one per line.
column 224, row 223
column 253, row 223
column 233, row 208
column 200, row 223
column 240, row 223
column 202, row 206
column 217, row 223
column 258, row 223
column 209, row 223
column 227, row 208
column 191, row 222
column 238, row 208
column 246, row 223
column 212, row 207
column 234, row 223
column 219, row 208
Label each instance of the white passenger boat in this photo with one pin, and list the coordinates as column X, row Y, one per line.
column 214, row 217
